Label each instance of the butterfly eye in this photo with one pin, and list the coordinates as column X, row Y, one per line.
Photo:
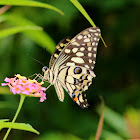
column 77, row 70
column 44, row 69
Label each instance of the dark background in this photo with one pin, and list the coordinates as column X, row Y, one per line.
column 117, row 68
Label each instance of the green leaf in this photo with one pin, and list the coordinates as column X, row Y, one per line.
column 19, row 126
column 30, row 3
column 40, row 37
column 82, row 10
column 107, row 135
column 85, row 14
column 14, row 30
column 4, row 120
column 116, row 121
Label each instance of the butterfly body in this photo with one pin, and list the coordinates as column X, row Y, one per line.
column 71, row 65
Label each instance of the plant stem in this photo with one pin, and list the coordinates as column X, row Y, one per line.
column 22, row 98
column 4, row 9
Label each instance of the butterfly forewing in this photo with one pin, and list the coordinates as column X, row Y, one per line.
column 57, row 50
column 74, row 65
column 82, row 49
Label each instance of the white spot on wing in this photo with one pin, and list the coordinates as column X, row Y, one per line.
column 87, row 40
column 67, row 50
column 70, row 64
column 89, row 35
column 94, row 55
column 91, row 30
column 89, row 48
column 86, row 66
column 77, row 60
column 95, row 38
column 90, row 61
column 75, row 50
column 60, row 49
column 81, row 99
column 86, row 87
column 80, row 37
column 80, row 54
column 55, row 55
column 96, row 34
column 95, row 49
column 89, row 54
column 82, row 49
column 75, row 43
column 93, row 43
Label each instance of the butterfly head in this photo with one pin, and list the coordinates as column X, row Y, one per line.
column 45, row 72
column 44, row 69
column 48, row 75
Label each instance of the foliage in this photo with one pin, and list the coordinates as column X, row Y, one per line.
column 20, row 126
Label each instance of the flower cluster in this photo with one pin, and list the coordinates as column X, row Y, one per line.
column 20, row 84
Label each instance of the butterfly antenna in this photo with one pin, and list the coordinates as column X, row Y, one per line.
column 35, row 59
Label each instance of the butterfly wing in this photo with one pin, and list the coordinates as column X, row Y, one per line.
column 75, row 80
column 81, row 50
column 57, row 50
column 73, row 67
column 60, row 91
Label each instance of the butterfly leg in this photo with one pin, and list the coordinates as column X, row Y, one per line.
column 38, row 77
column 48, row 86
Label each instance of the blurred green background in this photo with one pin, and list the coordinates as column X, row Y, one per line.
column 117, row 69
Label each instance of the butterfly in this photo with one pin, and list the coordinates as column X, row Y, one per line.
column 71, row 65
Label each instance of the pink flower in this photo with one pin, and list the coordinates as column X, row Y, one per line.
column 21, row 85
column 43, row 88
column 43, row 97
column 27, row 89
column 34, row 87
column 7, row 79
column 23, row 81
column 40, row 88
column 17, row 89
column 4, row 84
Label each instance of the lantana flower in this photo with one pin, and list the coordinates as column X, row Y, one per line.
column 21, row 85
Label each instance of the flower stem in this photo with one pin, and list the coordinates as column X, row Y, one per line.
column 22, row 98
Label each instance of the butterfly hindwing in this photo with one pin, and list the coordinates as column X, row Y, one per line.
column 60, row 91
column 75, row 80
column 77, row 83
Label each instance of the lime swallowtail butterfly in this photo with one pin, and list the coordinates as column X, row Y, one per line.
column 71, row 65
